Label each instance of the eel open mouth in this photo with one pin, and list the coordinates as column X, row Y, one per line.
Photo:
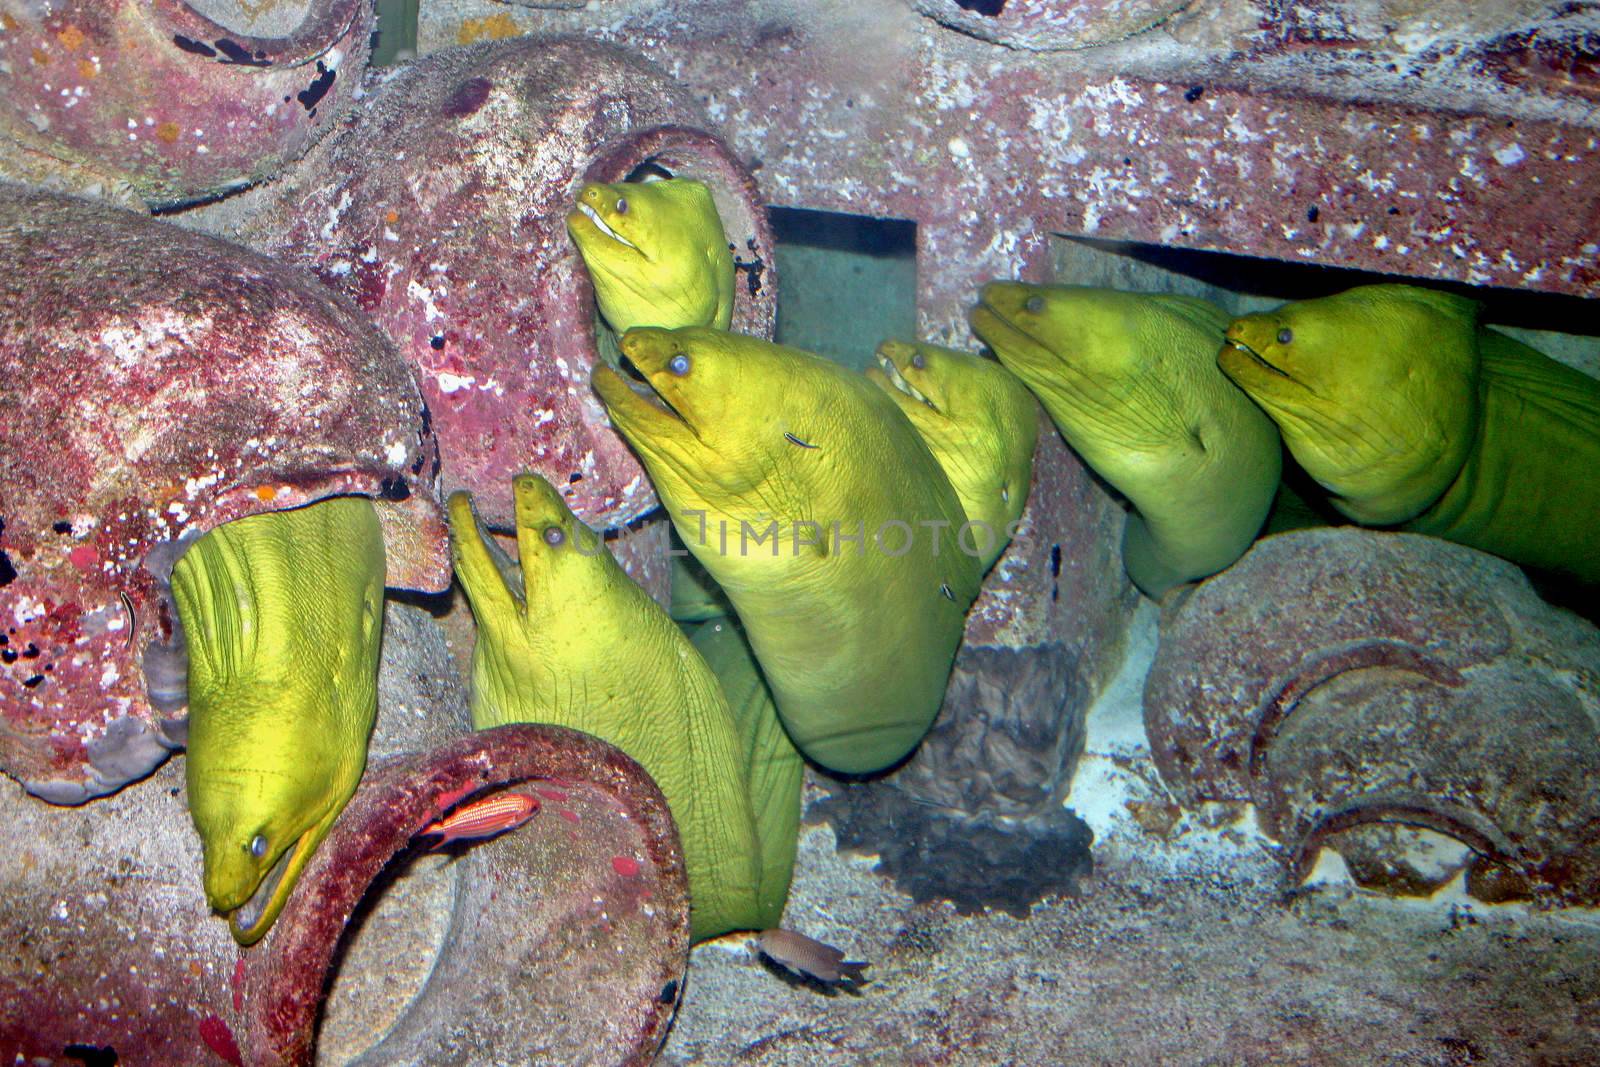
column 600, row 224
column 898, row 380
column 643, row 388
column 270, row 895
column 1256, row 357
column 643, row 393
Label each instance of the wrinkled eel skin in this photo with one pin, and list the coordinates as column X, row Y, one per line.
column 1409, row 413
column 566, row 637
column 818, row 509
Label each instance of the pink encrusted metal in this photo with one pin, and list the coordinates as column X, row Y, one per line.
column 1049, row 25
column 1459, row 157
column 160, row 97
column 440, row 208
column 155, row 383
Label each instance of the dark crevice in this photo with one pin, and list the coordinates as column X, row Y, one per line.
column 1285, row 280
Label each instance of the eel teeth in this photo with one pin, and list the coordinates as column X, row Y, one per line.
column 600, row 223
column 900, row 383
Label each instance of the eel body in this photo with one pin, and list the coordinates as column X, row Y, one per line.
column 773, row 767
column 815, row 505
column 566, row 637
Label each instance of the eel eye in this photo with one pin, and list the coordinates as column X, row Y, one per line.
column 622, row 205
column 1034, row 305
column 679, row 364
column 1285, row 335
column 918, row 361
column 987, row 353
column 554, row 535
column 258, row 846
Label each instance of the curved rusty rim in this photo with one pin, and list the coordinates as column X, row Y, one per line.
column 1281, row 700
column 326, row 23
column 1472, row 830
column 285, row 986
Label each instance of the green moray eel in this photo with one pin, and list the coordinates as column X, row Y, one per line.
column 572, row 640
column 1131, row 381
column 283, row 613
column 656, row 252
column 1408, row 412
column 981, row 423
column 814, row 503
column 773, row 765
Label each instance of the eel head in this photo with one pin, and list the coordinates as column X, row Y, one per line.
column 656, row 252
column 1374, row 389
column 258, row 830
column 688, row 416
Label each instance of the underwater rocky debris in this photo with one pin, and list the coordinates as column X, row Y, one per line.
column 170, row 402
column 1341, row 678
column 155, row 102
column 440, row 208
column 974, row 815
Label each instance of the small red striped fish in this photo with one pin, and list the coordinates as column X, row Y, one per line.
column 486, row 818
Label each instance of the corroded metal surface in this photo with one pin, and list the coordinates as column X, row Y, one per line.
column 155, row 95
column 1418, row 140
column 990, row 154
column 1341, row 677
column 156, row 383
column 440, row 208
column 1048, row 25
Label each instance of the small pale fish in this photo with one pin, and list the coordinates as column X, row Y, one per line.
column 811, row 957
column 486, row 818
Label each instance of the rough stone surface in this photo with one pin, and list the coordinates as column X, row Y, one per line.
column 1339, row 677
column 155, row 383
column 161, row 101
column 111, row 947
column 440, row 208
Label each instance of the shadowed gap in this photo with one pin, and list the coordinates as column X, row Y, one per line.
column 845, row 282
